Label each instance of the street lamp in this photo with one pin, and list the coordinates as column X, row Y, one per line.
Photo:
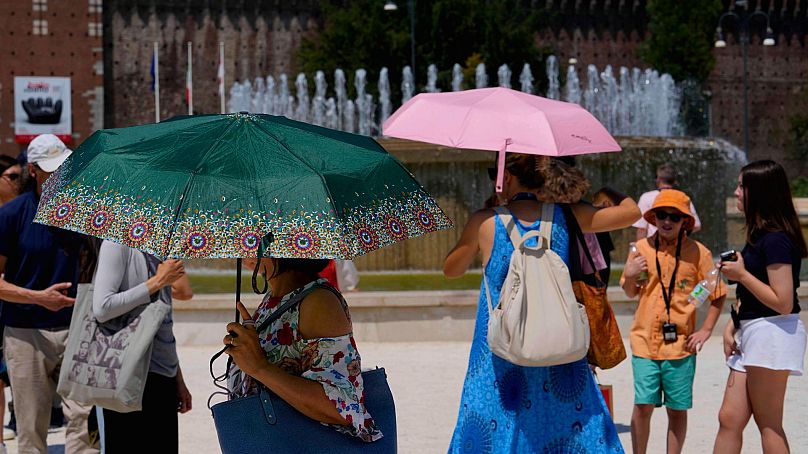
column 390, row 5
column 744, row 19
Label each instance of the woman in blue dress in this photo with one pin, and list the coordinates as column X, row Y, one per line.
column 515, row 409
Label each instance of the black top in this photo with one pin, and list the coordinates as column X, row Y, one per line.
column 37, row 256
column 769, row 248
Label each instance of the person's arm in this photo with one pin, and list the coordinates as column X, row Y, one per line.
column 52, row 298
column 306, row 396
column 728, row 336
column 779, row 293
column 594, row 220
column 108, row 301
column 696, row 341
column 181, row 289
column 462, row 255
column 184, row 400
column 697, row 225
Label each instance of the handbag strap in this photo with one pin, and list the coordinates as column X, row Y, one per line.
column 573, row 226
column 295, row 298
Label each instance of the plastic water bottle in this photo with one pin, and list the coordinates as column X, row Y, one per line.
column 701, row 293
column 642, row 278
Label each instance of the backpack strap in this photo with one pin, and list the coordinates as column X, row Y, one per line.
column 510, row 225
column 546, row 227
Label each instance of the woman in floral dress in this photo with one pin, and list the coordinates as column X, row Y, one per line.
column 308, row 356
column 506, row 408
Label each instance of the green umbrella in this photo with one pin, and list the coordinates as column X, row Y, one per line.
column 212, row 186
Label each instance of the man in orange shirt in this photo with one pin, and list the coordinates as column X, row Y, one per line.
column 664, row 338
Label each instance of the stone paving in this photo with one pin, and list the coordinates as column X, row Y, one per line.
column 426, row 379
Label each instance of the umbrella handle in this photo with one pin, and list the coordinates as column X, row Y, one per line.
column 501, row 165
column 238, row 285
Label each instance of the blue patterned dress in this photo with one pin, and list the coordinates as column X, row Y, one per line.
column 515, row 409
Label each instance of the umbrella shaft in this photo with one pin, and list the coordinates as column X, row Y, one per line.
column 238, row 285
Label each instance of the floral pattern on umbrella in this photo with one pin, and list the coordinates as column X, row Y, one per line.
column 235, row 178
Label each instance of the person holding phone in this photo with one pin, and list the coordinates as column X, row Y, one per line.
column 765, row 341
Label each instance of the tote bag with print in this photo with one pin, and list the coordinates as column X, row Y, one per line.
column 104, row 366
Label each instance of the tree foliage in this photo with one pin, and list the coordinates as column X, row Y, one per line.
column 361, row 34
column 681, row 37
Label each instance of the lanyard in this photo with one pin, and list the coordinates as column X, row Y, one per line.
column 667, row 295
column 524, row 196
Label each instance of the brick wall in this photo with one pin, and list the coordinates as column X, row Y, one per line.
column 66, row 42
column 260, row 38
column 778, row 79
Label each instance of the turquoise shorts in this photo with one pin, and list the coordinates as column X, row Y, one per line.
column 664, row 382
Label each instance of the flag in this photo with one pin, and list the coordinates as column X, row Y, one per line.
column 189, row 83
column 220, row 75
column 151, row 70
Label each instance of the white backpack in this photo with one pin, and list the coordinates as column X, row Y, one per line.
column 538, row 321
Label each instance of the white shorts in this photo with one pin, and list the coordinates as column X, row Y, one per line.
column 776, row 343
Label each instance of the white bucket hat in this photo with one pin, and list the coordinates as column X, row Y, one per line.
column 48, row 152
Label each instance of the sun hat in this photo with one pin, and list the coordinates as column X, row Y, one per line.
column 675, row 199
column 48, row 152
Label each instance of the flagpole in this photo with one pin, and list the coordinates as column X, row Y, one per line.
column 221, row 78
column 189, row 81
column 156, row 84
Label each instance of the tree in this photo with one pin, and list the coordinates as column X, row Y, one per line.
column 681, row 33
column 361, row 33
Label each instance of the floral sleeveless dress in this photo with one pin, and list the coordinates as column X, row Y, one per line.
column 333, row 362
column 506, row 408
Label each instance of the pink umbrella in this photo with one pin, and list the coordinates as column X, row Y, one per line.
column 503, row 120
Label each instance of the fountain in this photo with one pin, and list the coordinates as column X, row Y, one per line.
column 364, row 104
column 457, row 77
column 553, row 91
column 342, row 96
column 318, row 104
column 635, row 102
column 432, row 79
column 302, row 89
column 480, row 76
column 407, row 84
column 504, row 76
column 526, row 80
column 639, row 105
column 384, row 96
column 573, row 87
column 348, row 119
column 270, row 98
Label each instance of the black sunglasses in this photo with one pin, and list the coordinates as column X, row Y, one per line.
column 662, row 215
column 492, row 173
column 12, row 176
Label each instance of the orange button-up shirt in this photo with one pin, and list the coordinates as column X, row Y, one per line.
column 695, row 262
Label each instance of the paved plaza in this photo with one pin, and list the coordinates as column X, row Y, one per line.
column 426, row 379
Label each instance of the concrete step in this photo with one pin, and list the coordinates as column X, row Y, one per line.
column 440, row 315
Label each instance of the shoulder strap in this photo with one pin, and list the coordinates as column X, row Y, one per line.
column 546, row 227
column 510, row 224
column 293, row 301
column 575, row 229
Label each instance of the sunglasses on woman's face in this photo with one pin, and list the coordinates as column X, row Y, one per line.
column 662, row 215
column 11, row 176
column 492, row 173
